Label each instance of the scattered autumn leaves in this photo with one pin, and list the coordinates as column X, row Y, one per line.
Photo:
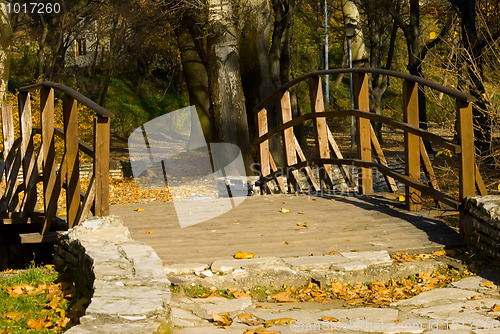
column 376, row 294
column 51, row 308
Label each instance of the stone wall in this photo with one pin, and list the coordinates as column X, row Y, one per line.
column 123, row 279
column 482, row 225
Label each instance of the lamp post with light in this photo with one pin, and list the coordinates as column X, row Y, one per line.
column 350, row 31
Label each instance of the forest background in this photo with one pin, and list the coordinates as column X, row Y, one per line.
column 143, row 58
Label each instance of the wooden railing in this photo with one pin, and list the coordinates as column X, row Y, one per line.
column 40, row 164
column 368, row 147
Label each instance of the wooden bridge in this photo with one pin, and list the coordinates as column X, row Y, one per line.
column 40, row 163
column 368, row 147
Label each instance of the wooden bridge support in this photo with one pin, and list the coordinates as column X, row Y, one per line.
column 363, row 133
column 412, row 145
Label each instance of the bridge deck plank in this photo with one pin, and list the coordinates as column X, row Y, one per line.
column 257, row 225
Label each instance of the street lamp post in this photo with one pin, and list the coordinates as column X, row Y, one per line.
column 327, row 78
column 350, row 31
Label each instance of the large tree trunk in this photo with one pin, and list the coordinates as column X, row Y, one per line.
column 226, row 91
column 5, row 42
column 472, row 65
column 255, row 24
column 195, row 73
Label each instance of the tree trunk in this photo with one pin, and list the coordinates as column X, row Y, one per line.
column 226, row 91
column 195, row 73
column 472, row 64
column 255, row 26
column 5, row 42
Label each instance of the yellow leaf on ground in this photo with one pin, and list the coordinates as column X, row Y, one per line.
column 38, row 324
column 244, row 255
column 439, row 253
column 475, row 297
column 239, row 295
column 283, row 210
column 62, row 213
column 278, row 322
column 8, row 271
column 303, row 224
column 12, row 315
column 401, row 198
column 49, row 266
column 223, row 320
column 487, row 284
column 332, row 252
column 262, row 306
column 138, row 209
column 261, row 330
column 148, row 232
column 243, row 316
column 330, row 319
column 283, row 297
column 495, row 308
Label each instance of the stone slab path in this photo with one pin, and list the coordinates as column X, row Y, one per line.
column 257, row 225
column 470, row 305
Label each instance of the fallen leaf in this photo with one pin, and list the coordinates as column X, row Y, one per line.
column 38, row 324
column 148, row 232
column 138, row 209
column 283, row 210
column 244, row 255
column 495, row 308
column 8, row 271
column 475, row 297
column 48, row 266
column 243, row 316
column 439, row 253
column 330, row 319
column 278, row 322
column 487, row 284
column 300, row 213
column 239, row 295
column 223, row 321
column 262, row 306
column 62, row 213
column 303, row 224
column 12, row 315
column 261, row 330
column 283, row 297
column 401, row 198
column 286, row 243
column 332, row 252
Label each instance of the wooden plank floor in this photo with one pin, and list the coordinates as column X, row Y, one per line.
column 257, row 225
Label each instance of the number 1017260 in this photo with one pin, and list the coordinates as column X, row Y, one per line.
column 33, row 8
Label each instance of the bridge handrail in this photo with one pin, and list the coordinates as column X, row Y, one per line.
column 415, row 152
column 101, row 111
column 422, row 81
column 447, row 144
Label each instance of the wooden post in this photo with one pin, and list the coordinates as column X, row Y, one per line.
column 101, row 165
column 10, row 165
column 30, row 168
column 321, row 129
column 363, row 132
column 265, row 168
column 48, row 151
column 412, row 144
column 467, row 157
column 289, row 140
column 70, row 115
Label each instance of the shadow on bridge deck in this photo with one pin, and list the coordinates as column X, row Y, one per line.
column 335, row 223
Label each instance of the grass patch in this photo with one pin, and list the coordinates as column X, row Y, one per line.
column 36, row 301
